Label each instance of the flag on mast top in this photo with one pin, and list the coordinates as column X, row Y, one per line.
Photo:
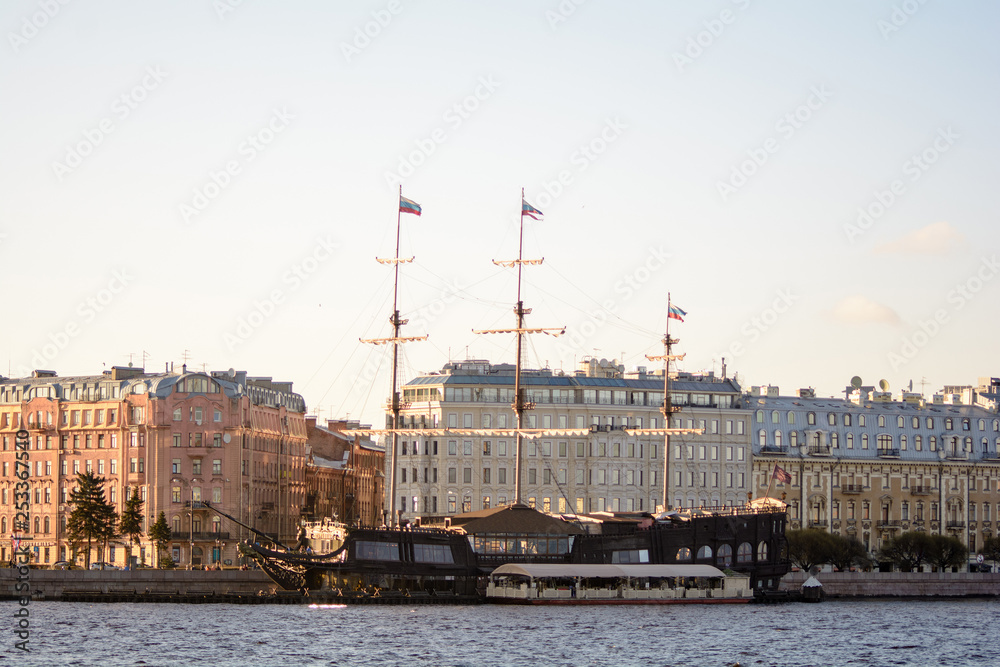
column 408, row 206
column 676, row 313
column 529, row 210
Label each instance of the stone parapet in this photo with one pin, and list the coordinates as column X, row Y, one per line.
column 51, row 584
column 899, row 584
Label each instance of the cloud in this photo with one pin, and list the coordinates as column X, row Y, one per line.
column 859, row 309
column 939, row 238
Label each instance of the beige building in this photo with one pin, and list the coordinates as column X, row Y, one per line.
column 600, row 467
column 872, row 466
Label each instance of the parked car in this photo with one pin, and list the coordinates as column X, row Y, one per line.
column 100, row 565
column 65, row 565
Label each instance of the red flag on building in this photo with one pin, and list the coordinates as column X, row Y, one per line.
column 780, row 474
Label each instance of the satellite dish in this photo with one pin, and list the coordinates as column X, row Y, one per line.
column 883, row 385
column 226, row 438
column 232, row 373
column 856, row 382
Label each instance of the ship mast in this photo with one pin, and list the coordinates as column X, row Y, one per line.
column 520, row 404
column 395, row 405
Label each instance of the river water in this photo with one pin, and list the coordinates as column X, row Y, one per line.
column 831, row 633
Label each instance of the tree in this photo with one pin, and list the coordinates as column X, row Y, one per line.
column 848, row 552
column 907, row 551
column 944, row 551
column 130, row 524
column 160, row 535
column 991, row 549
column 810, row 547
column 92, row 517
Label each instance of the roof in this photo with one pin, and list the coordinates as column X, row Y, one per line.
column 513, row 520
column 543, row 570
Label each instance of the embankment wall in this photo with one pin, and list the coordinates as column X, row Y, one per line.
column 899, row 584
column 50, row 584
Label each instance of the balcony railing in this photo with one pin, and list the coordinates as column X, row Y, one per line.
column 920, row 490
column 819, row 450
column 851, row 488
column 889, row 453
column 955, row 525
column 772, row 449
column 889, row 524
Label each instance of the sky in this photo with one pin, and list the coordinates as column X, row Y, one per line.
column 210, row 182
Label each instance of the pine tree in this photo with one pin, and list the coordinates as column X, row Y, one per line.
column 93, row 517
column 130, row 524
column 160, row 535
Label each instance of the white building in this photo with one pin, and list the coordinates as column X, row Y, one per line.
column 600, row 468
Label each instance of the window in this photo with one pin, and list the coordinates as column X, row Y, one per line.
column 744, row 554
column 683, row 554
column 217, row 466
column 811, row 420
column 196, row 466
column 881, row 421
column 217, row 416
column 175, row 467
column 177, row 414
column 467, row 475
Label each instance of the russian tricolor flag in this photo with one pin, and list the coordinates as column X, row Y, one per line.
column 408, row 206
column 676, row 313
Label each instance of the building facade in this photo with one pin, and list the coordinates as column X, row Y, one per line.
column 184, row 441
column 344, row 475
column 870, row 466
column 600, row 467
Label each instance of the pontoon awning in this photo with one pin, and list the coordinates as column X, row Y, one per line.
column 551, row 570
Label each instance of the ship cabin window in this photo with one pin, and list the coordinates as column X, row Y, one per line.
column 529, row 545
column 628, row 557
column 762, row 551
column 367, row 550
column 683, row 554
column 745, row 553
column 724, row 557
column 433, row 553
column 704, row 552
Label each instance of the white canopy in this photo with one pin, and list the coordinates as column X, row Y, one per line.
column 551, row 570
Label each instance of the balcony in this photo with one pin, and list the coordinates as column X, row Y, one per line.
column 851, row 488
column 955, row 525
column 889, row 524
column 920, row 490
column 817, row 523
column 819, row 450
column 889, row 453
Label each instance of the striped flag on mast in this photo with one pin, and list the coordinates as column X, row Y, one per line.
column 408, row 206
column 676, row 313
column 781, row 474
column 529, row 210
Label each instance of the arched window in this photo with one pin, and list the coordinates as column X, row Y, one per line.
column 811, row 418
column 850, row 441
column 791, row 418
column 777, row 439
column 760, row 416
column 902, row 442
column 683, row 554
column 835, row 440
column 745, row 553
column 176, row 522
column 899, row 421
column 705, row 552
column 986, row 445
column 46, row 524
column 793, row 438
column 762, row 551
column 762, row 438
column 968, row 444
column 38, row 525
column 724, row 556
column 982, row 424
column 847, row 419
column 884, row 441
column 3, row 525
column 918, row 442
column 216, row 525
column 933, row 443
column 831, row 419
column 775, row 417
column 881, row 421
column 861, row 420
column 864, row 441
column 916, row 422
column 996, row 425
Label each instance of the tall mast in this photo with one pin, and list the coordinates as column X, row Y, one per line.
column 395, row 404
column 520, row 404
column 667, row 408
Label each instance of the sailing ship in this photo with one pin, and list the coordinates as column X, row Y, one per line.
column 451, row 557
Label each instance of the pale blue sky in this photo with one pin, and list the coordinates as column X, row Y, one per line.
column 884, row 85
